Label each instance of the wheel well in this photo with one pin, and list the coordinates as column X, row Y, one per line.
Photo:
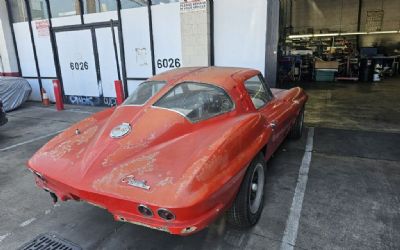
column 264, row 150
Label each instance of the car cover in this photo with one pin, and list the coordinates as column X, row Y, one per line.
column 14, row 91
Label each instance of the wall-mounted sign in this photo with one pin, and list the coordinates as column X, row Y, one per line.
column 374, row 20
column 193, row 5
column 42, row 27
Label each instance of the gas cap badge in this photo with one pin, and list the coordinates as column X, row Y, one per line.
column 121, row 130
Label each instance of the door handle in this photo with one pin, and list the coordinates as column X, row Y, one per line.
column 272, row 124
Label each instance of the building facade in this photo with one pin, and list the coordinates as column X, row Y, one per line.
column 87, row 44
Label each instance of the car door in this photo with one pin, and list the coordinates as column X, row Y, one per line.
column 270, row 107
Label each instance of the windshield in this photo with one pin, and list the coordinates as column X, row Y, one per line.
column 196, row 101
column 144, row 92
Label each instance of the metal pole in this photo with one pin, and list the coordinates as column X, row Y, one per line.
column 115, row 49
column 27, row 4
column 11, row 19
column 153, row 61
column 122, row 49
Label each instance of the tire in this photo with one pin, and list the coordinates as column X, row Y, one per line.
column 297, row 130
column 248, row 205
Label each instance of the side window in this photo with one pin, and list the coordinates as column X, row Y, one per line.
column 258, row 92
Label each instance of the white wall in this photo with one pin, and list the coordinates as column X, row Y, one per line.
column 240, row 33
column 8, row 60
column 167, row 36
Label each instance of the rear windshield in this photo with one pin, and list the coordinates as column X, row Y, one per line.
column 144, row 92
column 196, row 101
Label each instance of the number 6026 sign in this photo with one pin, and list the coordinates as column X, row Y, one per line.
column 79, row 65
column 169, row 63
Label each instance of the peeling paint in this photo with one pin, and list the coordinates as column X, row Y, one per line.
column 67, row 146
column 166, row 181
column 136, row 167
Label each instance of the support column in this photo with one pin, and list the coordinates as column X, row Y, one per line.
column 195, row 32
column 8, row 58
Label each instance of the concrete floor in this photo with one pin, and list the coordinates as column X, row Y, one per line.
column 356, row 106
column 351, row 200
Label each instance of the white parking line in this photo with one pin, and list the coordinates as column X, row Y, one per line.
column 2, row 237
column 292, row 223
column 65, row 110
column 30, row 141
column 27, row 222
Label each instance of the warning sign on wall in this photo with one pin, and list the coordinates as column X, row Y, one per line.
column 42, row 27
column 193, row 5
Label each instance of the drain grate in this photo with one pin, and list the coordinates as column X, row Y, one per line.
column 49, row 241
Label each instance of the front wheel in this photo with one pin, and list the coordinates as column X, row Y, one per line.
column 248, row 205
column 297, row 129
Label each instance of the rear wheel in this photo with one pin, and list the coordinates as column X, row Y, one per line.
column 297, row 129
column 248, row 205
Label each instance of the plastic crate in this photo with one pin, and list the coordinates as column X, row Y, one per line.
column 324, row 75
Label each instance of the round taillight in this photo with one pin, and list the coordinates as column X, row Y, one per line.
column 165, row 214
column 145, row 211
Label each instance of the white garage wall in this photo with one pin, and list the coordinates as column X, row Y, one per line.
column 100, row 17
column 44, row 52
column 35, row 94
column 135, row 27
column 76, row 47
column 167, row 36
column 25, row 50
column 240, row 33
column 108, row 65
column 67, row 20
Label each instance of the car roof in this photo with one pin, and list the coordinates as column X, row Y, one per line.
column 220, row 76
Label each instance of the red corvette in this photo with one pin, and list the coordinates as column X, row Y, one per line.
column 186, row 146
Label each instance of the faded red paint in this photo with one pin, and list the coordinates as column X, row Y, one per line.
column 194, row 170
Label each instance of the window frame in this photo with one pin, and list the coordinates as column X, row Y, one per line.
column 266, row 87
column 201, row 83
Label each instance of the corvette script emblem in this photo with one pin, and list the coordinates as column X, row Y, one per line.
column 131, row 181
column 121, row 130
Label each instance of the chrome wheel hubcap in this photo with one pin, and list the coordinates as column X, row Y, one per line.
column 256, row 188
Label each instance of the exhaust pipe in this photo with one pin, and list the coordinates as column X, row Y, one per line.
column 54, row 197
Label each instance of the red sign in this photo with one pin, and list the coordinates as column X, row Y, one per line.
column 42, row 27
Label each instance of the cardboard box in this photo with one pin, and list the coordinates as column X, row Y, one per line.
column 326, row 65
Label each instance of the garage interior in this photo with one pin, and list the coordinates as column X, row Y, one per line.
column 345, row 54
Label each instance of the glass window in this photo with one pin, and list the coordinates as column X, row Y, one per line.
column 38, row 9
column 18, row 11
column 97, row 6
column 144, row 92
column 258, row 92
column 128, row 4
column 64, row 8
column 196, row 101
column 154, row 2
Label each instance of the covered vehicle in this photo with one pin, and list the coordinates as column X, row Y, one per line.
column 185, row 147
column 3, row 118
column 14, row 91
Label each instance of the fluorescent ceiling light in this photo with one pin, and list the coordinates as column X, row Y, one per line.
column 344, row 34
column 384, row 32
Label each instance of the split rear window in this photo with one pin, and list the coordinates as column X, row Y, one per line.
column 196, row 101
